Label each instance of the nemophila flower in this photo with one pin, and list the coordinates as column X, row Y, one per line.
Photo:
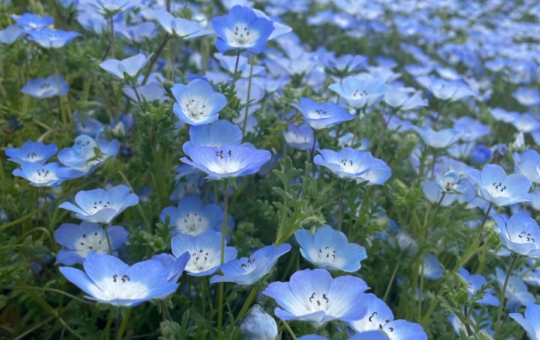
column 39, row 175
column 470, row 129
column 218, row 134
column 379, row 317
column 476, row 282
column 530, row 321
column 526, row 123
column 279, row 28
column 227, row 161
column 299, row 137
column 81, row 159
column 107, row 279
column 87, row 126
column 496, row 187
column 444, row 90
column 434, row 192
column 30, row 21
column 528, row 164
column 517, row 293
column 101, row 206
column 197, row 103
column 82, row 239
column 431, row 268
column 330, row 249
column 46, row 87
column 247, row 271
column 11, row 34
column 137, row 33
column 438, row 139
column 112, row 6
column 175, row 266
column 150, row 92
column 520, row 234
column 449, row 181
column 258, row 325
column 527, row 97
column 52, row 38
column 130, row 66
column 401, row 100
column 360, row 93
column 192, row 216
column 183, row 28
column 313, row 295
column 504, row 116
column 124, row 127
column 205, row 252
column 241, row 28
column 32, row 152
column 481, row 154
column 320, row 116
column 344, row 63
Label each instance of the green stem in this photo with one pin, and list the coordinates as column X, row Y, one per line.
column 248, row 303
column 22, row 336
column 106, row 229
column 107, row 331
column 503, row 292
column 124, row 323
column 236, row 67
column 141, row 211
column 48, row 290
column 341, row 206
column 289, row 329
column 427, row 227
column 221, row 284
column 156, row 57
column 391, row 280
column 248, row 95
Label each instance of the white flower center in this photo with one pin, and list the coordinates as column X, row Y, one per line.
column 100, row 205
column 317, row 114
column 192, row 224
column 42, row 176
column 96, row 242
column 357, row 94
column 195, row 108
column 349, row 166
column 317, row 301
column 498, row 190
column 327, row 255
column 524, row 237
column 241, row 36
column 119, row 286
column 225, row 163
column 202, row 260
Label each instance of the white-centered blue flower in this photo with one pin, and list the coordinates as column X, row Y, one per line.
column 519, row 234
column 360, row 93
column 438, row 139
column 32, row 152
column 49, row 38
column 476, row 282
column 183, row 28
column 321, row 116
column 130, row 66
column 192, row 216
column 197, row 102
column 218, row 134
column 528, row 164
column 531, row 321
column 40, row 175
column 46, row 87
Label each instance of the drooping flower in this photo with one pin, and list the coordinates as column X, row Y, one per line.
column 360, row 93
column 197, row 103
column 205, row 252
column 32, row 152
column 476, row 282
column 247, row 271
column 470, row 129
column 39, row 175
column 379, row 317
column 241, row 28
column 101, row 206
column 82, row 239
column 258, row 325
column 131, row 66
column 192, row 216
column 401, row 100
column 330, row 249
column 107, row 279
column 520, row 234
column 321, row 116
column 46, row 87
column 313, row 295
column 175, row 265
column 517, row 293
column 30, row 21
column 52, row 38
column 496, row 187
column 530, row 321
column 300, row 137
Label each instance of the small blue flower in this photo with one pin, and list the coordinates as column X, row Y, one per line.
column 131, row 66
column 258, row 325
column 40, row 175
column 247, row 271
column 150, row 92
column 438, row 139
column 218, row 134
column 360, row 93
column 52, row 38
column 330, row 249
column 114, row 6
column 449, row 181
column 520, row 234
column 175, row 266
column 180, row 27
column 313, row 295
column 527, row 97
column 481, row 154
column 496, row 187
column 101, row 206
column 80, row 160
column 444, row 90
column 192, row 216
column 528, row 164
column 530, row 321
column 107, row 279
column 87, row 126
column 434, row 191
column 475, row 283
column 401, row 100
column 431, row 268
column 32, row 152
column 197, row 103
column 300, row 137
column 379, row 317
column 138, row 33
column 517, row 292
column 30, row 21
column 241, row 28
column 82, row 239
column 124, row 127
column 46, row 87
column 346, row 63
column 11, row 34
column 205, row 252
column 470, row 128
column 228, row 161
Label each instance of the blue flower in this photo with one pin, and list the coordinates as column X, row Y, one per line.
column 516, row 291
column 40, row 175
column 520, row 234
column 346, row 63
column 470, row 128
column 205, row 252
column 114, row 6
column 87, row 126
column 496, row 187
column 130, row 66
column 107, row 279
column 330, row 249
column 247, row 271
column 101, row 206
column 431, row 268
column 175, row 266
column 258, row 325
column 32, row 152
column 218, row 134
column 527, row 97
column 241, row 28
column 82, row 239
column 528, row 164
column 434, row 191
column 192, row 216
column 444, row 90
column 150, row 92
column 300, row 137
column 360, row 93
column 30, row 21
column 530, row 321
column 481, row 154
column 379, row 317
column 11, row 34
column 52, row 38
column 180, row 27
column 448, row 181
column 438, row 139
column 228, row 161
column 313, row 295
column 197, row 103
column 138, row 33
column 80, row 160
column 475, row 283
column 400, row 100
column 46, row 87
column 354, row 164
